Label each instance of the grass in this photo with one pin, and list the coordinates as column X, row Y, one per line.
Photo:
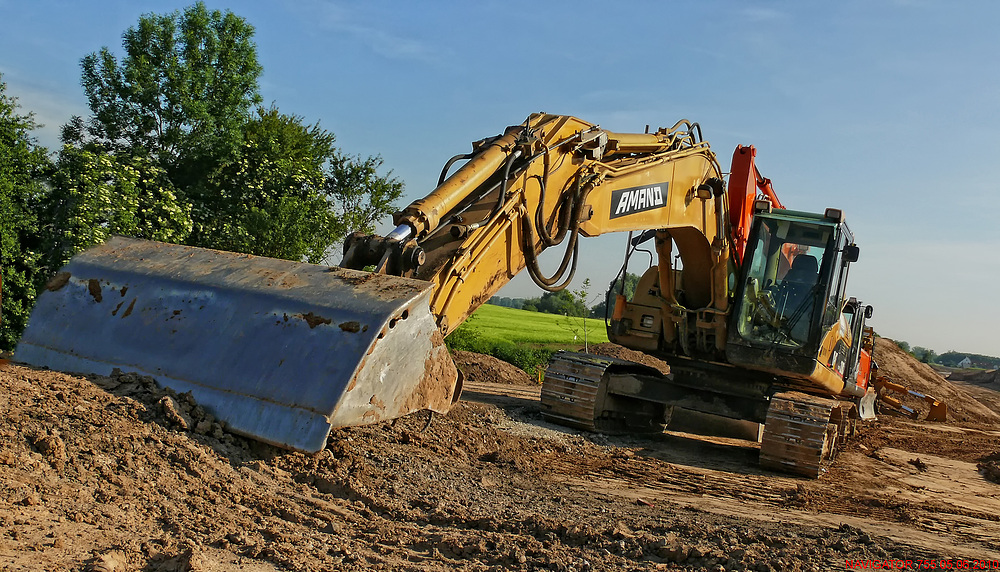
column 525, row 339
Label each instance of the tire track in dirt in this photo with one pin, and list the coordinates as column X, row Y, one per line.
column 945, row 502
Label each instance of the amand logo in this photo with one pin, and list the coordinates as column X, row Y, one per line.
column 638, row 199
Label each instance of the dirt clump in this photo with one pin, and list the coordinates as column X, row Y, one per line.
column 609, row 349
column 488, row 369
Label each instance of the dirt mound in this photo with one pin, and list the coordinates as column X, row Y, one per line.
column 116, row 474
column 488, row 369
column 616, row 351
column 903, row 368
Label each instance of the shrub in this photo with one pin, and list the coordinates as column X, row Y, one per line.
column 528, row 359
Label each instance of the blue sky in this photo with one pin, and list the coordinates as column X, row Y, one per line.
column 886, row 109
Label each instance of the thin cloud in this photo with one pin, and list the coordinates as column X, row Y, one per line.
column 344, row 19
column 758, row 15
column 390, row 46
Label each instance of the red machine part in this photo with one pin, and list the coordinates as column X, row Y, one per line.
column 744, row 182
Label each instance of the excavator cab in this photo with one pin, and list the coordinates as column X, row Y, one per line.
column 791, row 289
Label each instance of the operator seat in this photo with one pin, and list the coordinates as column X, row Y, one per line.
column 804, row 270
column 797, row 288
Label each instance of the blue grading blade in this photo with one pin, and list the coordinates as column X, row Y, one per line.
column 280, row 351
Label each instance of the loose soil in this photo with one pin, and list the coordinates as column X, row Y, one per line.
column 983, row 385
column 115, row 474
column 488, row 369
column 617, row 351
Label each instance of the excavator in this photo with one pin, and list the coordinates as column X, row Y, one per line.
column 746, row 300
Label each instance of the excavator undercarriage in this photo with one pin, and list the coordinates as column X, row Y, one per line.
column 801, row 433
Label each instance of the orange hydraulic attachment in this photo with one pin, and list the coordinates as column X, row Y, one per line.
column 938, row 410
column 744, row 182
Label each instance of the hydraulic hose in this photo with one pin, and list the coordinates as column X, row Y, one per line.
column 502, row 198
column 447, row 166
column 563, row 211
column 571, row 255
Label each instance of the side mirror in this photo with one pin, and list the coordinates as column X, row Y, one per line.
column 868, row 312
column 851, row 253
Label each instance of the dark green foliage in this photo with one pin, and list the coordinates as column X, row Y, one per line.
column 925, row 355
column 23, row 165
column 953, row 358
column 178, row 104
column 505, row 302
column 607, row 306
column 95, row 195
column 358, row 194
column 177, row 149
column 182, row 91
column 563, row 303
column 287, row 192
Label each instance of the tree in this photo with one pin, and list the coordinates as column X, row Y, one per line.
column 577, row 323
column 269, row 197
column 360, row 196
column 607, row 306
column 177, row 149
column 925, row 355
column 903, row 346
column 182, row 92
column 23, row 164
column 289, row 193
column 563, row 303
column 506, row 302
column 94, row 195
column 930, row 356
column 182, row 105
column 952, row 358
column 180, row 98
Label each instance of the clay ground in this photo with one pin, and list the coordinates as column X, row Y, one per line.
column 113, row 474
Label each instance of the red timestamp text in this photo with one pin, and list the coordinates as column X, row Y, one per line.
column 924, row 564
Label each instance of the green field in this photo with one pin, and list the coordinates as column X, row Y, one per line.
column 525, row 339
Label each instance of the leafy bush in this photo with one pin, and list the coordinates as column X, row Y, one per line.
column 527, row 358
column 23, row 164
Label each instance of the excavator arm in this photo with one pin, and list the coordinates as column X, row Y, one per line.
column 544, row 184
column 744, row 182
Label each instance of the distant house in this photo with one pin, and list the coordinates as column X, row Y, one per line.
column 965, row 363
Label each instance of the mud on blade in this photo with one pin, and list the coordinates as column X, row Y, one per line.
column 281, row 351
